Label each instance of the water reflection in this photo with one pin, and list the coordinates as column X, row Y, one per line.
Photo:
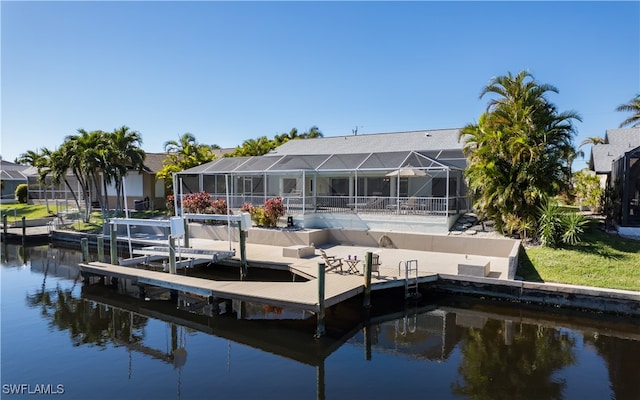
column 498, row 351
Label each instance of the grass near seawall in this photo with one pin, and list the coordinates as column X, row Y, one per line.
column 16, row 211
column 601, row 260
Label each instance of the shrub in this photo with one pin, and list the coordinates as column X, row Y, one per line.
column 549, row 223
column 573, row 224
column 588, row 190
column 219, row 206
column 196, row 203
column 266, row 215
column 22, row 193
column 273, row 210
column 170, row 206
column 556, row 227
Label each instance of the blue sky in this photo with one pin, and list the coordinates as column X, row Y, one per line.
column 231, row 71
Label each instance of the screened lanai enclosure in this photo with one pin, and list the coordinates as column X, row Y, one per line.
column 355, row 190
column 625, row 181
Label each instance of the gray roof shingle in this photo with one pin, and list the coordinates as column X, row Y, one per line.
column 617, row 143
column 444, row 139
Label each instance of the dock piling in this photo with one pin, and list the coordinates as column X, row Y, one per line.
column 113, row 241
column 172, row 255
column 367, row 279
column 84, row 245
column 186, row 233
column 100, row 246
column 320, row 325
column 4, row 224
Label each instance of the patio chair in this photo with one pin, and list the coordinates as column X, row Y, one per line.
column 410, row 204
column 331, row 262
column 375, row 264
column 376, row 203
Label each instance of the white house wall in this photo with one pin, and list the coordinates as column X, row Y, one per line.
column 134, row 186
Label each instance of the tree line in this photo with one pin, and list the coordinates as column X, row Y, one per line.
column 88, row 155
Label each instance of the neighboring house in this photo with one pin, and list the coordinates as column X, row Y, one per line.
column 616, row 162
column 407, row 181
column 11, row 175
column 142, row 189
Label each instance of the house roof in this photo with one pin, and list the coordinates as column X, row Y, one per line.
column 617, row 143
column 376, row 152
column 444, row 139
column 153, row 161
column 12, row 171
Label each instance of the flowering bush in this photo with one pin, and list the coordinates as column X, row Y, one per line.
column 266, row 215
column 196, row 203
column 273, row 210
column 219, row 206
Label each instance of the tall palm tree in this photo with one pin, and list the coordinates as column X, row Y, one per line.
column 519, row 151
column 122, row 154
column 632, row 106
column 86, row 160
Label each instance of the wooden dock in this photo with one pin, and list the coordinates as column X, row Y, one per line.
column 293, row 295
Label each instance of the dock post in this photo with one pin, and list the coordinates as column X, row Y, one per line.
column 84, row 245
column 320, row 325
column 172, row 255
column 100, row 246
column 243, row 251
column 367, row 279
column 113, row 230
column 24, row 227
column 4, row 224
column 186, row 232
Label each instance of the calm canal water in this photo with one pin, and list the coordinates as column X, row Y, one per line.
column 65, row 339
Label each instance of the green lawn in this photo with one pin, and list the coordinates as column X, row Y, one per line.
column 15, row 212
column 29, row 211
column 601, row 260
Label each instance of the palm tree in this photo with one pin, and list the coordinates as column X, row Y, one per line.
column 255, row 147
column 312, row 133
column 519, row 151
column 86, row 160
column 593, row 140
column 122, row 154
column 183, row 154
column 38, row 160
column 632, row 106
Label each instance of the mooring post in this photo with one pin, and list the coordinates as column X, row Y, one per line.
column 243, row 251
column 84, row 245
column 172, row 255
column 320, row 325
column 4, row 224
column 24, row 226
column 367, row 279
column 113, row 242
column 100, row 246
column 186, row 232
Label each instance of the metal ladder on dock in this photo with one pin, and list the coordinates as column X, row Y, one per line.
column 410, row 278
